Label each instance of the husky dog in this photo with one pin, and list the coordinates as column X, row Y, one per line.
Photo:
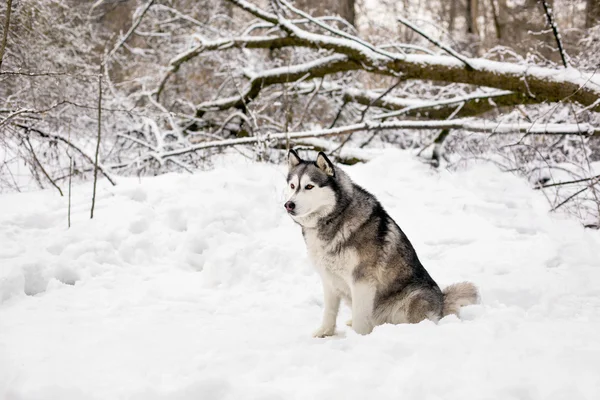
column 361, row 254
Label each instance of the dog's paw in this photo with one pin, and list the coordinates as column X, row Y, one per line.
column 349, row 322
column 362, row 329
column 324, row 331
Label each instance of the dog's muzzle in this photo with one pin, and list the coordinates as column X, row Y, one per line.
column 290, row 206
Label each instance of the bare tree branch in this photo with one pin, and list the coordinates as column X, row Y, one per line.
column 300, row 21
column 308, row 102
column 363, row 114
column 314, row 69
column 136, row 23
column 476, row 103
column 577, row 193
column 554, row 26
column 101, row 72
column 70, row 179
column 568, row 182
column 345, row 156
column 37, row 161
column 328, row 28
column 136, row 141
column 435, row 42
column 46, row 73
column 66, row 141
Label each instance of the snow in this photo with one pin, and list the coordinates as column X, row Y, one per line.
column 199, row 287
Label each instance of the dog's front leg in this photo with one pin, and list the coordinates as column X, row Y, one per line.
column 332, row 306
column 363, row 297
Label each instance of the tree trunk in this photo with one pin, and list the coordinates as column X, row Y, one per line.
column 5, row 30
column 452, row 15
column 472, row 14
column 347, row 10
column 319, row 8
column 497, row 24
column 592, row 13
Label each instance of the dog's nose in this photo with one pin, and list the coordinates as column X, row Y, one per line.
column 289, row 206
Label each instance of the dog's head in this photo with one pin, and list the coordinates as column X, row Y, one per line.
column 311, row 188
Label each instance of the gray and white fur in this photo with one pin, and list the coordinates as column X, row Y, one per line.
column 361, row 254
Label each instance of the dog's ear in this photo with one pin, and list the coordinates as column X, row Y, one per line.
column 325, row 165
column 293, row 159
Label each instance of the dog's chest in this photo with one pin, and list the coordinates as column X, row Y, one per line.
column 329, row 258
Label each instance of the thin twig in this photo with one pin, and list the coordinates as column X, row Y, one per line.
column 447, row 49
column 570, row 197
column 288, row 116
column 227, row 120
column 335, row 31
column 98, row 140
column 308, row 103
column 364, row 113
column 440, row 103
column 555, row 31
column 129, row 32
column 369, row 140
column 136, row 141
column 388, row 91
column 568, row 182
column 339, row 113
column 263, row 25
column 438, row 141
column 70, row 179
column 37, row 161
column 66, row 141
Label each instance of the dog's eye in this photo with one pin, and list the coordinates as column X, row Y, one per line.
column 292, row 186
column 308, row 187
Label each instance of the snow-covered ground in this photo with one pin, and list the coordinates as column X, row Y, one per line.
column 199, row 287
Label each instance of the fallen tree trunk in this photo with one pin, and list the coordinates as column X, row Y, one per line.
column 352, row 54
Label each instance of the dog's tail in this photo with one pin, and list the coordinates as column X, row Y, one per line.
column 459, row 295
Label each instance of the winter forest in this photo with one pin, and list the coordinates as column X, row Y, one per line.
column 160, row 86
column 475, row 122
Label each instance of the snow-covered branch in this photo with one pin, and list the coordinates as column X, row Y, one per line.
column 480, row 126
column 541, row 83
column 314, row 69
column 475, row 103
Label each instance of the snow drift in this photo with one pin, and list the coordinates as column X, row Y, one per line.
column 198, row 287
